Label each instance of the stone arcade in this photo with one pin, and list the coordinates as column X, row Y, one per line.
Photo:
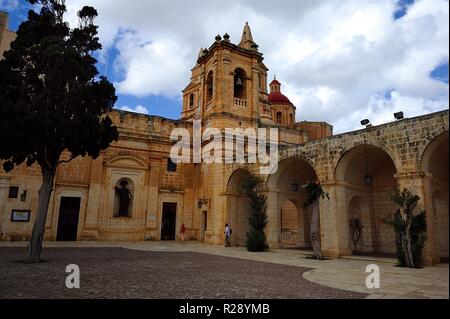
column 228, row 89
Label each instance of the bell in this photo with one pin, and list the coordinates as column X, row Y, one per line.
column 239, row 82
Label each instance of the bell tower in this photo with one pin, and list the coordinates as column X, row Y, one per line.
column 228, row 85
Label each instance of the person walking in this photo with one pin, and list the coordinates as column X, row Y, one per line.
column 183, row 234
column 228, row 233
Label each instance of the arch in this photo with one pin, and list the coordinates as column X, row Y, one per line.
column 209, row 86
column 235, row 180
column 286, row 187
column 279, row 117
column 358, row 207
column 238, row 207
column 191, row 100
column 431, row 148
column 371, row 199
column 127, row 161
column 435, row 163
column 428, row 142
column 365, row 153
column 283, row 165
column 240, row 84
column 118, row 208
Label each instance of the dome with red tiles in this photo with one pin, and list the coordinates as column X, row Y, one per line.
column 275, row 96
column 278, row 98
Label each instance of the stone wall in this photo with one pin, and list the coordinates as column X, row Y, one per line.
column 142, row 153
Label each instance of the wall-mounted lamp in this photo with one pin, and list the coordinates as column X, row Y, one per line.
column 368, row 179
column 399, row 116
column 365, row 122
column 295, row 187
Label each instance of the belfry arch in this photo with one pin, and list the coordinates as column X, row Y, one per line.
column 240, row 84
column 366, row 175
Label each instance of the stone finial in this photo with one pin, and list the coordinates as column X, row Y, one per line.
column 226, row 37
column 218, row 38
column 247, row 39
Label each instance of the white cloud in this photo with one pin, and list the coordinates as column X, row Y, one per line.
column 155, row 67
column 137, row 109
column 334, row 58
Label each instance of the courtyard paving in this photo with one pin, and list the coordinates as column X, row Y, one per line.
column 197, row 271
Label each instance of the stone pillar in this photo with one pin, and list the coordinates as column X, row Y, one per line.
column 4, row 187
column 218, row 212
column 255, row 92
column 273, row 217
column 331, row 228
column 342, row 220
column 90, row 231
column 152, row 232
column 431, row 250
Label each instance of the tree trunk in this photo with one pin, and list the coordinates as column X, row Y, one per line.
column 408, row 246
column 315, row 231
column 35, row 245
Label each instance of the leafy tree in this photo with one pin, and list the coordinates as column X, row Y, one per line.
column 256, row 237
column 52, row 100
column 315, row 192
column 410, row 228
column 356, row 231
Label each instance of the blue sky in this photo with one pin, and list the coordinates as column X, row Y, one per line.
column 344, row 83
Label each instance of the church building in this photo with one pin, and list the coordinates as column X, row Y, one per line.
column 134, row 192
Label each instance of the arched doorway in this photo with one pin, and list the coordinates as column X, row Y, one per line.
column 123, row 198
column 435, row 163
column 359, row 208
column 238, row 207
column 294, row 219
column 367, row 174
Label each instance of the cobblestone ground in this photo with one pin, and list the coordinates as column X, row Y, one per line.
column 118, row 273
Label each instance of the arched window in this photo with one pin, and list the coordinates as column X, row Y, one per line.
column 210, row 86
column 191, row 100
column 240, row 84
column 291, row 119
column 123, row 198
column 279, row 118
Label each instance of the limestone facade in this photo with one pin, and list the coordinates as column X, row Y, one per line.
column 228, row 89
column 6, row 36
